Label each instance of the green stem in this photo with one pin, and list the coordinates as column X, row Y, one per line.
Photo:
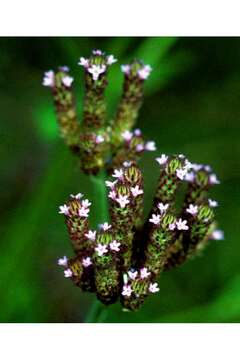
column 100, row 196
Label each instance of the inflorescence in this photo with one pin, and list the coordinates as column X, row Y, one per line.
column 123, row 260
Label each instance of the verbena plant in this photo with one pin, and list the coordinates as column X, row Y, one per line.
column 122, row 259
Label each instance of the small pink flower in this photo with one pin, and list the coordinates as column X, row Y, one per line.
column 86, row 203
column 91, row 235
column 63, row 261
column 144, row 273
column 86, row 261
column 126, row 69
column 68, row 273
column 99, row 139
column 105, row 226
column 172, row 226
column 189, row 176
column 67, row 80
column 132, row 274
column 83, row 62
column 182, row 224
column 153, row 288
column 217, row 235
column 127, row 290
column 150, row 146
column 181, row 173
column 112, row 195
column 155, row 219
column 163, row 208
column 77, row 196
column 212, row 203
column 139, row 147
column 101, row 249
column 137, row 132
column 162, row 159
column 114, row 245
column 97, row 52
column 83, row 212
column 127, row 163
column 136, row 191
column 48, row 79
column 64, row 209
column 111, row 60
column 144, row 72
column 122, row 200
column 127, row 135
column 192, row 209
column 110, row 184
column 213, row 179
column 118, row 174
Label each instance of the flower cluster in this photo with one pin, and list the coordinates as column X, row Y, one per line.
column 124, row 258
column 95, row 141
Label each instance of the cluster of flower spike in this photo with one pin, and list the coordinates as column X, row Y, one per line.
column 123, row 260
column 98, row 142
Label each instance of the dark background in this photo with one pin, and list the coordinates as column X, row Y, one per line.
column 191, row 106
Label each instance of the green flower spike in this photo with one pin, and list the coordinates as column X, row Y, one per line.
column 123, row 260
column 98, row 143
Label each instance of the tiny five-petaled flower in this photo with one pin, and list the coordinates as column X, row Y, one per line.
column 153, row 287
column 63, row 261
column 155, row 219
column 182, row 224
column 114, row 245
column 101, row 249
column 192, row 209
column 144, row 273
column 122, row 200
column 136, row 191
column 64, row 209
column 127, row 290
column 86, row 261
column 91, row 235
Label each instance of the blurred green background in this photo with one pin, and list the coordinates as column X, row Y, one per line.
column 191, row 107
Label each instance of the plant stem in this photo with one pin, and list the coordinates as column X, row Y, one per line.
column 100, row 196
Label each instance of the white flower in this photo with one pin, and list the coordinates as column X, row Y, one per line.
column 83, row 212
column 48, row 79
column 153, row 288
column 63, row 261
column 97, row 52
column 114, row 245
column 182, row 224
column 132, row 274
column 155, row 219
column 127, row 163
column 67, row 80
column 86, row 203
column 83, row 62
column 99, row 139
column 172, row 226
column 101, row 249
column 105, row 226
column 207, row 168
column 91, row 235
column 181, row 173
column 136, row 191
column 217, row 235
column 212, row 203
column 96, row 70
column 110, row 183
column 127, row 290
column 118, row 173
column 187, row 165
column 189, row 176
column 111, row 60
column 112, row 195
column 192, row 209
column 122, row 200
column 64, row 209
column 144, row 72
column 127, row 135
column 144, row 273
column 162, row 207
column 64, row 68
column 86, row 261
column 197, row 167
column 77, row 196
column 181, row 156
column 137, row 132
column 126, row 69
column 139, row 147
column 68, row 273
column 150, row 146
column 162, row 159
column 213, row 179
